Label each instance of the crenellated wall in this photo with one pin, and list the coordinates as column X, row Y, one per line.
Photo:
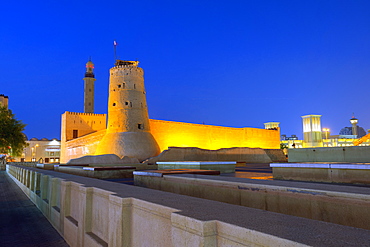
column 91, row 212
column 79, row 124
column 84, row 123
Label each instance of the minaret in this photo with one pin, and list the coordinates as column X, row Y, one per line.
column 89, row 88
column 128, row 130
column 354, row 122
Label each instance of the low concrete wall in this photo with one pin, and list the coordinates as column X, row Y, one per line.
column 316, row 172
column 90, row 212
column 355, row 154
column 222, row 166
column 245, row 155
column 348, row 206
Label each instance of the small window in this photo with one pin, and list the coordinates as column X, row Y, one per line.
column 89, row 90
column 114, row 104
column 119, row 86
column 75, row 134
column 134, row 86
column 126, row 103
column 123, row 85
column 140, row 126
column 131, row 104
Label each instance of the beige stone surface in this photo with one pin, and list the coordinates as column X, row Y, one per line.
column 107, row 159
column 145, row 217
column 355, row 154
column 139, row 145
column 340, row 207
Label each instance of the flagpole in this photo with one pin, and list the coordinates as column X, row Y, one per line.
column 115, row 50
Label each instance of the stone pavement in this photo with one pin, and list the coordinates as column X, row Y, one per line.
column 21, row 223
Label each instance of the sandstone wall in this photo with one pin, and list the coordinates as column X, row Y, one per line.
column 83, row 123
column 82, row 146
column 178, row 134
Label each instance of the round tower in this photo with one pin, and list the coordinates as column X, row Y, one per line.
column 89, row 88
column 128, row 130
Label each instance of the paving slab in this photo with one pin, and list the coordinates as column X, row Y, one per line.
column 21, row 222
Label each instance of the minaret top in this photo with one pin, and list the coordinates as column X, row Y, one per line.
column 89, row 69
column 353, row 120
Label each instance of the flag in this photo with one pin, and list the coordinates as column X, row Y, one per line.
column 115, row 43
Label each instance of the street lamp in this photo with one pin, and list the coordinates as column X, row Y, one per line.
column 32, row 153
column 36, row 151
column 326, row 130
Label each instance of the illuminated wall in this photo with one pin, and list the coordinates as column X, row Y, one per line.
column 75, row 125
column 178, row 134
column 85, row 145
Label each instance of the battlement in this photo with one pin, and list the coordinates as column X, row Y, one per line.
column 118, row 69
column 126, row 63
column 83, row 113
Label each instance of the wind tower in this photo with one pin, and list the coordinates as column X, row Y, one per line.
column 312, row 135
column 354, row 122
column 128, row 130
column 89, row 88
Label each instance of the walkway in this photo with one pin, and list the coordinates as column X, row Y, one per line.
column 21, row 223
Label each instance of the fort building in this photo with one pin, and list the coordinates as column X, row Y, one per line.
column 130, row 132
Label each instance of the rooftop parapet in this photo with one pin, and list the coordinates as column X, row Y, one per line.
column 126, row 63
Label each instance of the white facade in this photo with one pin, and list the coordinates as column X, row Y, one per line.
column 43, row 150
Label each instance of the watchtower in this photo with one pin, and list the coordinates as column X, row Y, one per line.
column 128, row 130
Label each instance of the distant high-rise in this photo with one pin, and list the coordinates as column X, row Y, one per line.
column 89, row 88
column 4, row 101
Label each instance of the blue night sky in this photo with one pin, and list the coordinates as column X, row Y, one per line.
column 229, row 63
